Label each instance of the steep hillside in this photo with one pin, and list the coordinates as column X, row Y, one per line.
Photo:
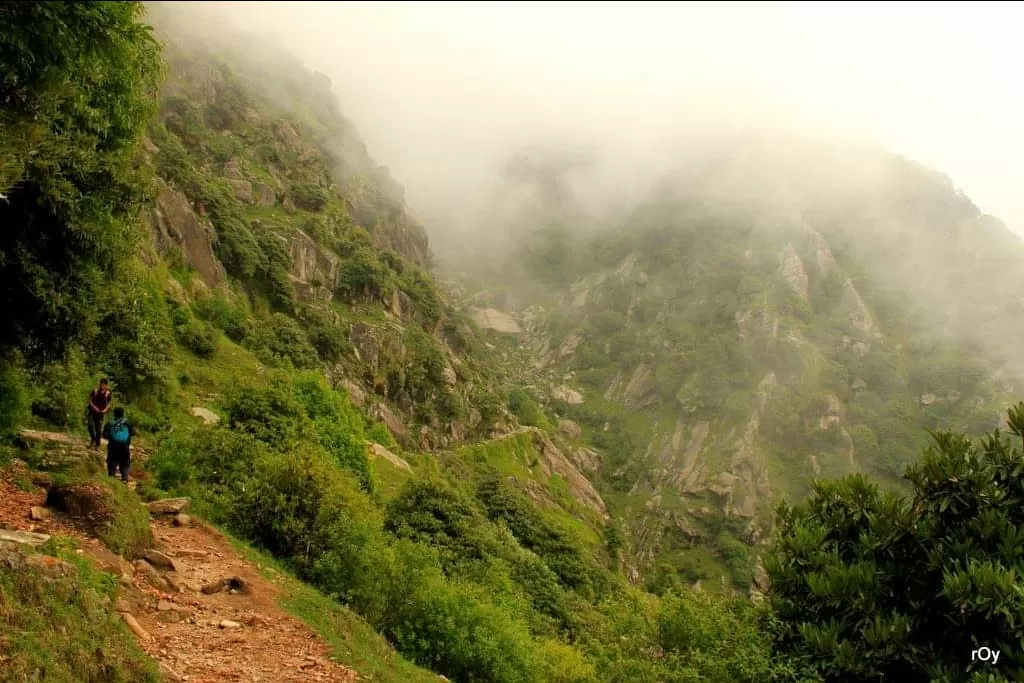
column 267, row 194
column 750, row 327
column 194, row 218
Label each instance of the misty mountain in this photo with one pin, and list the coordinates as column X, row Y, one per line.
column 771, row 313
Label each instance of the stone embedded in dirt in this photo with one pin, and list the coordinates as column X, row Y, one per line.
column 170, row 675
column 38, row 514
column 168, row 612
column 23, row 537
column 227, row 623
column 189, row 552
column 122, row 605
column 182, row 519
column 152, row 576
column 159, row 560
column 232, row 583
column 49, row 567
column 257, row 620
column 136, row 627
column 174, row 583
column 169, row 506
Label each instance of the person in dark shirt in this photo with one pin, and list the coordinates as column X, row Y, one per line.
column 118, row 433
column 100, row 399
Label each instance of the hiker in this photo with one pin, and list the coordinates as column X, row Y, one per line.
column 100, row 399
column 118, row 433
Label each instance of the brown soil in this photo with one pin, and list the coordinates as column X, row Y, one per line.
column 183, row 630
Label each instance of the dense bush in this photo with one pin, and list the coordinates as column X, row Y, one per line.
column 563, row 554
column 280, row 341
column 198, row 337
column 225, row 315
column 525, row 408
column 325, row 334
column 866, row 584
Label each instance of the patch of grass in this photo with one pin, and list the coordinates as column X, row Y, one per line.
column 64, row 629
column 128, row 533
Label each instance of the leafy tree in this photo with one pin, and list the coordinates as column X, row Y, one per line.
column 78, row 86
column 868, row 585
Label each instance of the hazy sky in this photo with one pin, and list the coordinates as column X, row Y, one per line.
column 441, row 90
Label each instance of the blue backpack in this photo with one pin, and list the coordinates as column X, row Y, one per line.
column 119, row 432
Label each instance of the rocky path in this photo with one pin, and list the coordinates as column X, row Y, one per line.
column 195, row 604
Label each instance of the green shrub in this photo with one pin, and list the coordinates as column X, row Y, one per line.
column 866, row 584
column 223, row 314
column 563, row 554
column 456, row 632
column 279, row 340
column 309, row 196
column 525, row 408
column 337, row 427
column 198, row 337
column 325, row 334
column 14, row 397
column 270, row 414
column 62, row 391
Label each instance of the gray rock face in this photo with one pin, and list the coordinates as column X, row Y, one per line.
column 175, row 224
column 310, row 264
column 243, row 190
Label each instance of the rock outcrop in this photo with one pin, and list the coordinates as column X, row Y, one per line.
column 175, row 224
column 493, row 319
column 793, row 271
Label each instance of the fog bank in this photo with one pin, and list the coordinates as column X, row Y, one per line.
column 444, row 92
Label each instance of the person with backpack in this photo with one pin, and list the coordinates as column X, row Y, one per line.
column 118, row 433
column 100, row 399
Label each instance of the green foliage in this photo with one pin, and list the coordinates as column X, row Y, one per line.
column 14, row 397
column 228, row 317
column 270, row 414
column 525, row 408
column 198, row 337
column 64, row 629
column 866, row 584
column 72, row 122
column 280, row 341
column 421, row 290
column 325, row 334
column 337, row 427
column 128, row 532
column 309, row 196
column 434, row 629
column 562, row 553
column 361, row 275
column 60, row 395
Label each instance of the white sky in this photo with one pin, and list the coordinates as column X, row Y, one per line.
column 441, row 90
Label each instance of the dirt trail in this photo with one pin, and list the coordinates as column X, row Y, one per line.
column 234, row 634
